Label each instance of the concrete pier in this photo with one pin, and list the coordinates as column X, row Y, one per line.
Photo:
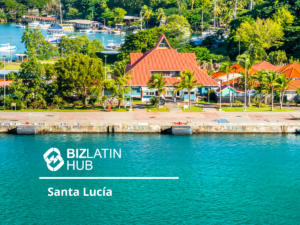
column 158, row 128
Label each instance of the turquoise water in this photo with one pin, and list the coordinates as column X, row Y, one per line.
column 10, row 30
column 223, row 179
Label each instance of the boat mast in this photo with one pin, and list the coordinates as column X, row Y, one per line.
column 60, row 12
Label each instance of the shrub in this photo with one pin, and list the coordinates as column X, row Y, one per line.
column 261, row 104
column 154, row 101
column 237, row 102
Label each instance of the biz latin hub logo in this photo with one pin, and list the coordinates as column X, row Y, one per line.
column 78, row 159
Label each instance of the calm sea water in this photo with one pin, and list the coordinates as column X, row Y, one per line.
column 8, row 30
column 223, row 179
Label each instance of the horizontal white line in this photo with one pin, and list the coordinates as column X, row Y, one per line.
column 109, row 178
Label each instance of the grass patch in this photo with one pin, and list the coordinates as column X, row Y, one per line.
column 194, row 108
column 77, row 109
column 252, row 109
column 155, row 109
column 205, row 102
column 14, row 66
column 137, row 101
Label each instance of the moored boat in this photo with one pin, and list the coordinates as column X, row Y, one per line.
column 34, row 24
column 4, row 47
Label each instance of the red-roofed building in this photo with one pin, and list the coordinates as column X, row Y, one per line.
column 165, row 60
column 266, row 66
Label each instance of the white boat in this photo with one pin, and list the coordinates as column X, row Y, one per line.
column 123, row 33
column 111, row 46
column 44, row 26
column 20, row 25
column 135, row 31
column 34, row 24
column 87, row 31
column 55, row 37
column 5, row 47
column 117, row 32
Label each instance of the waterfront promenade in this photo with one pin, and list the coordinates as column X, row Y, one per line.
column 289, row 117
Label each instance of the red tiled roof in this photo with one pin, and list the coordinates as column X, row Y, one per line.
column 294, row 85
column 292, row 72
column 160, row 59
column 289, row 66
column 218, row 74
column 7, row 82
column 266, row 66
column 235, row 81
column 39, row 17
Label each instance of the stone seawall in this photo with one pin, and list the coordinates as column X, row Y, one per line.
column 157, row 128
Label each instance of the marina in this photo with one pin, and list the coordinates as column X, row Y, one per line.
column 11, row 30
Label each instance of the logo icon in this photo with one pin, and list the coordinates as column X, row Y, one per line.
column 53, row 159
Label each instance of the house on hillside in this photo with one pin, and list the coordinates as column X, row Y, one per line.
column 165, row 60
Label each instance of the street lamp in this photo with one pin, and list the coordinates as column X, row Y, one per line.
column 105, row 66
column 4, row 82
column 245, row 104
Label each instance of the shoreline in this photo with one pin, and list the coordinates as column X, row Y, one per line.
column 142, row 128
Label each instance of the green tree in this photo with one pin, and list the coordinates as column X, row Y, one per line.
column 157, row 82
column 226, row 68
column 161, row 15
column 178, row 22
column 118, row 15
column 261, row 80
column 187, row 81
column 77, row 73
column 284, row 83
column 81, row 44
column 72, row 12
column 272, row 80
column 263, row 33
column 36, row 45
column 283, row 17
column 277, row 57
column 147, row 13
column 122, row 79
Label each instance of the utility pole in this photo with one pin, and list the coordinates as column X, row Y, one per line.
column 92, row 13
column 10, row 50
column 245, row 105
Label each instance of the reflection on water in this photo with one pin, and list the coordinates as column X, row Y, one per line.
column 8, row 30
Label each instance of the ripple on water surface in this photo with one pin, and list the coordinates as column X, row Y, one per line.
column 223, row 179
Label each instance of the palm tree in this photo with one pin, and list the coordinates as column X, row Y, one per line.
column 157, row 82
column 272, row 80
column 147, row 13
column 246, row 61
column 284, row 83
column 260, row 78
column 161, row 15
column 123, row 77
column 187, row 81
column 225, row 68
